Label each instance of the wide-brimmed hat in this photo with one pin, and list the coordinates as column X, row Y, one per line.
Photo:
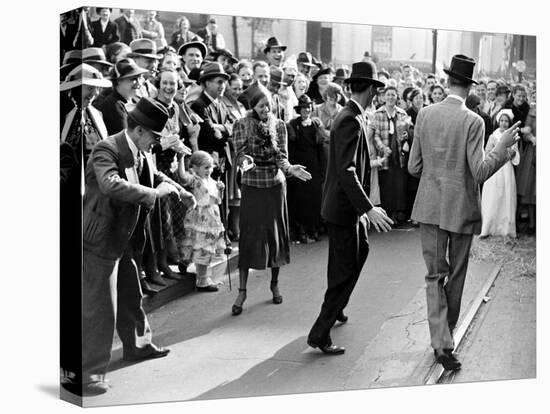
column 364, row 72
column 71, row 60
column 276, row 75
column 95, row 55
column 305, row 59
column 462, row 68
column 199, row 45
column 273, row 42
column 211, row 71
column 84, row 74
column 303, row 102
column 150, row 114
column 144, row 48
column 127, row 68
column 225, row 52
column 323, row 71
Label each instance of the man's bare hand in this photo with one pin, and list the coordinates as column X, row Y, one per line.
column 379, row 219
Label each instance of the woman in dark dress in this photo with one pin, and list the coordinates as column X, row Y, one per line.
column 261, row 146
column 306, row 138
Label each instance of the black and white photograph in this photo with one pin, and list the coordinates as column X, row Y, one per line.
column 262, row 209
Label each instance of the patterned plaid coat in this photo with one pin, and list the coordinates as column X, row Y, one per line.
column 381, row 127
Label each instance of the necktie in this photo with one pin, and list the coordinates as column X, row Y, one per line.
column 139, row 164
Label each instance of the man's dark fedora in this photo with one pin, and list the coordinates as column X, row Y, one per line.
column 305, row 59
column 277, row 75
column 150, row 114
column 196, row 44
column 211, row 71
column 462, row 68
column 304, row 101
column 127, row 68
column 341, row 73
column 225, row 52
column 144, row 48
column 273, row 42
column 364, row 72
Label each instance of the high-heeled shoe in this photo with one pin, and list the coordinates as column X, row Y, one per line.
column 238, row 309
column 277, row 298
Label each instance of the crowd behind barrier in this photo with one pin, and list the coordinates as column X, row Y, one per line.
column 258, row 132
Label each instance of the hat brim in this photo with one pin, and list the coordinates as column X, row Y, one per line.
column 145, row 55
column 372, row 81
column 157, row 133
column 459, row 76
column 104, row 62
column 282, row 47
column 100, row 83
column 213, row 75
column 195, row 44
column 137, row 72
column 311, row 65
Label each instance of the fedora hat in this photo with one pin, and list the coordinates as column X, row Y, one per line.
column 224, row 52
column 324, row 71
column 144, row 48
column 305, row 59
column 273, row 42
column 364, row 72
column 84, row 74
column 211, row 71
column 196, row 44
column 303, row 102
column 95, row 55
column 277, row 75
column 341, row 73
column 127, row 68
column 462, row 68
column 150, row 114
column 71, row 60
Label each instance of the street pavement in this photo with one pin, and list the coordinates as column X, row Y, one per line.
column 264, row 352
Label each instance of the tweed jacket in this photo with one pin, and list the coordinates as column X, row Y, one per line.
column 114, row 196
column 381, row 127
column 101, row 38
column 447, row 154
column 348, row 173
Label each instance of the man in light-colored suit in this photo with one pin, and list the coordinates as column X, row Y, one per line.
column 122, row 185
column 447, row 154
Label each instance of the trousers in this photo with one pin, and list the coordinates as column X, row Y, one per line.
column 348, row 248
column 444, row 281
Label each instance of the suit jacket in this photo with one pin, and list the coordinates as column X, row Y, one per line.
column 347, row 181
column 113, row 109
column 113, row 196
column 211, row 116
column 128, row 31
column 110, row 35
column 447, row 154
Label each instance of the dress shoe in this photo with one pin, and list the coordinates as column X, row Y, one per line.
column 448, row 362
column 182, row 267
column 156, row 278
column 341, row 317
column 95, row 386
column 147, row 352
column 174, row 275
column 209, row 288
column 328, row 349
column 450, row 353
column 277, row 298
column 147, row 288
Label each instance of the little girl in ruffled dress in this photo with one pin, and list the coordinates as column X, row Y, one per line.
column 204, row 231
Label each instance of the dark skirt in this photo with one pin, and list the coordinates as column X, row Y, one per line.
column 393, row 188
column 264, row 240
column 526, row 175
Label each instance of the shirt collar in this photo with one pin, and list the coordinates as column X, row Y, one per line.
column 363, row 114
column 209, row 97
column 460, row 98
column 131, row 144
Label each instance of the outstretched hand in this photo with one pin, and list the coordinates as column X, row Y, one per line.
column 300, row 172
column 379, row 219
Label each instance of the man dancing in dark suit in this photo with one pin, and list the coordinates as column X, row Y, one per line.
column 346, row 206
column 120, row 191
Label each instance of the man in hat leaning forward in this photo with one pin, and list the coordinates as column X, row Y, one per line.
column 346, row 206
column 447, row 154
column 122, row 185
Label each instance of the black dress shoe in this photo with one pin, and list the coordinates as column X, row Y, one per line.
column 147, row 352
column 341, row 317
column 147, row 288
column 94, row 387
column 328, row 349
column 156, row 278
column 209, row 288
column 448, row 362
column 450, row 353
